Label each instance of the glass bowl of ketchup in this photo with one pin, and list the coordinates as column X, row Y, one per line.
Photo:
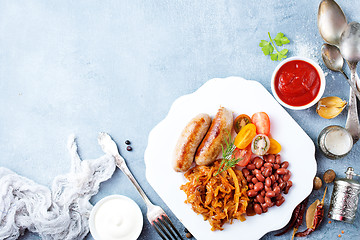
column 298, row 83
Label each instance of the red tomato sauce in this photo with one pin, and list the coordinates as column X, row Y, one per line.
column 297, row 83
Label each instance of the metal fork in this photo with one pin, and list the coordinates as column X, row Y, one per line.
column 155, row 214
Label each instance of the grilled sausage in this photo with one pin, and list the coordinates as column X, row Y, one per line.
column 188, row 142
column 220, row 129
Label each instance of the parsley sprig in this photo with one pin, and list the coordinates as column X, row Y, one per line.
column 228, row 160
column 269, row 47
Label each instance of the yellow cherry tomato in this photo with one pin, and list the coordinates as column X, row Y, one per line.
column 275, row 147
column 245, row 136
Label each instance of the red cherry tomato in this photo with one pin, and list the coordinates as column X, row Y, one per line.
column 262, row 123
column 243, row 154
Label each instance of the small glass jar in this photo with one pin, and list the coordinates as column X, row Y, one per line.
column 335, row 142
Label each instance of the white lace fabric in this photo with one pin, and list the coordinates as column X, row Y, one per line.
column 61, row 212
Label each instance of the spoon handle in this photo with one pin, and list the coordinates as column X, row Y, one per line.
column 352, row 122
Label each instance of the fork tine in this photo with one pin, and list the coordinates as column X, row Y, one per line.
column 161, row 229
column 167, row 219
column 158, row 231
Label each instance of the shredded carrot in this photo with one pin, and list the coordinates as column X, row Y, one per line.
column 219, row 198
column 237, row 188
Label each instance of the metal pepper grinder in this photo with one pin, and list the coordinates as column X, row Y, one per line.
column 345, row 198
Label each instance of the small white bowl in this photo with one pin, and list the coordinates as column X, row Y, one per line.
column 322, row 83
column 109, row 210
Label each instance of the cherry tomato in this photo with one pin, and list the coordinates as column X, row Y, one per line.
column 262, row 123
column 244, row 155
column 245, row 136
column 260, row 144
column 241, row 121
column 275, row 147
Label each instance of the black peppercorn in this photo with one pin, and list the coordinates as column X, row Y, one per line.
column 127, row 142
column 129, row 148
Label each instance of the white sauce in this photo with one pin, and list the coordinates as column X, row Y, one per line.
column 338, row 142
column 115, row 218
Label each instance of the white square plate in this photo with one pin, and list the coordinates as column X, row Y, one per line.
column 242, row 97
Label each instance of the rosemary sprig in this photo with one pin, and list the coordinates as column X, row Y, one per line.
column 228, row 160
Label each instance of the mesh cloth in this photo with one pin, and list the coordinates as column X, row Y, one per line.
column 59, row 213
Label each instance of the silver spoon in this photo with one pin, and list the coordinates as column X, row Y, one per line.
column 350, row 48
column 334, row 61
column 332, row 23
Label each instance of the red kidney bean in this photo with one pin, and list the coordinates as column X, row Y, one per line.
column 288, row 186
column 280, row 180
column 285, row 164
column 276, row 166
column 269, row 165
column 249, row 177
column 278, row 197
column 270, row 194
column 262, row 168
column 272, row 177
column 258, row 162
column 264, row 207
column 271, row 158
column 267, row 189
column 258, row 186
column 280, row 201
column 255, row 200
column 260, row 198
column 245, row 172
column 287, row 176
column 254, row 180
column 276, row 176
column 256, row 171
column 262, row 193
column 251, row 193
column 267, row 172
column 250, row 166
column 277, row 190
column 268, row 182
column 251, row 185
column 282, row 171
column 278, row 159
column 268, row 201
column 257, row 208
column 282, row 185
column 275, row 185
column 260, row 177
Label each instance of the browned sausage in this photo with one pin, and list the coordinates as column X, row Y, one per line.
column 188, row 142
column 220, row 129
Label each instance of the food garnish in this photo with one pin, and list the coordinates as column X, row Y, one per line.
column 240, row 121
column 228, row 159
column 260, row 144
column 275, row 147
column 317, row 184
column 296, row 217
column 330, row 107
column 245, row 136
column 262, row 122
column 329, row 176
column 269, row 47
column 314, row 216
column 220, row 198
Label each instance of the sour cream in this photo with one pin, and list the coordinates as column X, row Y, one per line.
column 116, row 217
column 335, row 142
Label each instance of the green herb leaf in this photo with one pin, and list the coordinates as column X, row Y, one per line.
column 280, row 39
column 228, row 160
column 269, row 47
